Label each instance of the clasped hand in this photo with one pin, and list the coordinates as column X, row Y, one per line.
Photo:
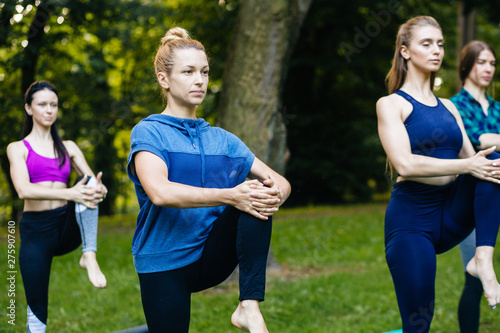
column 260, row 199
column 484, row 168
column 90, row 195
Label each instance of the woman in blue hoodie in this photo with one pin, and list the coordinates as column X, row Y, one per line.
column 199, row 217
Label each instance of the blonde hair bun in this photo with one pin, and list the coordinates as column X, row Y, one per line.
column 173, row 34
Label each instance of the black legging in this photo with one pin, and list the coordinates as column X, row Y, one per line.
column 44, row 235
column 236, row 238
column 469, row 306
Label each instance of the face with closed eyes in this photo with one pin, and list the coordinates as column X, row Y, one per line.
column 483, row 70
column 425, row 51
column 186, row 85
column 43, row 107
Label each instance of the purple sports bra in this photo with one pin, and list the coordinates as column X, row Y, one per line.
column 43, row 169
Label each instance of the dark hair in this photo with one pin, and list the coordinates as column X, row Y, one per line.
column 35, row 87
column 397, row 75
column 468, row 57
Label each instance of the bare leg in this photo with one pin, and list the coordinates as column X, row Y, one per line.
column 481, row 266
column 247, row 317
column 89, row 262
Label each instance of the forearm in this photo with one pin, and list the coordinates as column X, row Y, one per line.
column 424, row 166
column 487, row 140
column 176, row 195
column 37, row 192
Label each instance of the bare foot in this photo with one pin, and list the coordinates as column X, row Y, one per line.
column 481, row 266
column 247, row 317
column 89, row 262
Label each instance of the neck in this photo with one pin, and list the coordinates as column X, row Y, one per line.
column 418, row 83
column 180, row 112
column 40, row 134
column 475, row 91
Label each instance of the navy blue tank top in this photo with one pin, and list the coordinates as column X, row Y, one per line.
column 433, row 130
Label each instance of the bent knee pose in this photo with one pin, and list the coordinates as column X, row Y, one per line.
column 481, row 116
column 55, row 219
column 431, row 208
column 199, row 217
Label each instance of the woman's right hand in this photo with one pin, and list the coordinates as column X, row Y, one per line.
column 257, row 199
column 90, row 196
column 483, row 168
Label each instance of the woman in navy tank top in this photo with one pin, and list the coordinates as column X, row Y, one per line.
column 56, row 219
column 443, row 190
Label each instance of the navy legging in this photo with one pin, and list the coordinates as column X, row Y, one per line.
column 424, row 220
column 235, row 238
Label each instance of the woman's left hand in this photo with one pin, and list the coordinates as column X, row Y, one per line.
column 102, row 191
column 266, row 195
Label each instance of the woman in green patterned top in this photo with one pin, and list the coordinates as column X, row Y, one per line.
column 481, row 118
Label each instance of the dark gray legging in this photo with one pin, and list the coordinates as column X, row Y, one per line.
column 236, row 238
column 44, row 235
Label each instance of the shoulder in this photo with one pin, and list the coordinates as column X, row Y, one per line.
column 218, row 131
column 71, row 148
column 223, row 134
column 146, row 128
column 16, row 148
column 16, row 145
column 230, row 140
column 495, row 104
column 450, row 106
column 392, row 104
column 455, row 98
column 70, row 145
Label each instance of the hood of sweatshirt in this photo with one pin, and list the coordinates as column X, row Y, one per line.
column 191, row 128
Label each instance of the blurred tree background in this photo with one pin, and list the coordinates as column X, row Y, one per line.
column 331, row 71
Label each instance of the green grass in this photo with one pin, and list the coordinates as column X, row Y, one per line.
column 333, row 279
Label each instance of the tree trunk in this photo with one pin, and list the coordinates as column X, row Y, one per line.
column 35, row 43
column 251, row 97
column 255, row 72
column 6, row 14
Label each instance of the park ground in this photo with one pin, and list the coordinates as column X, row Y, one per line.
column 332, row 278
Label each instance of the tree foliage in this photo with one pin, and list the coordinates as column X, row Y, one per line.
column 100, row 56
column 336, row 75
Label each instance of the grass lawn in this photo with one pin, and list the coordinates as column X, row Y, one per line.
column 333, row 279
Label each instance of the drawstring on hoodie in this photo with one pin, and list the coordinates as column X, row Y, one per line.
column 202, row 151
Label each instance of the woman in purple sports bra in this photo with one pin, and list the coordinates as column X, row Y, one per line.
column 56, row 219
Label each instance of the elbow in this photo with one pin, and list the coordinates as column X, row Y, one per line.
column 285, row 191
column 156, row 199
column 22, row 194
column 403, row 173
column 404, row 170
column 483, row 146
column 161, row 201
column 288, row 190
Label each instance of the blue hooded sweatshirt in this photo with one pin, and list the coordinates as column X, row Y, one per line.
column 195, row 154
